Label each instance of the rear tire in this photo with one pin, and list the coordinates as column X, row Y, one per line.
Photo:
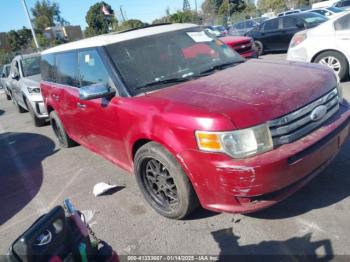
column 63, row 139
column 163, row 182
column 336, row 61
column 259, row 47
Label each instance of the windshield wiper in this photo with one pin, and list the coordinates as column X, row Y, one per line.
column 219, row 67
column 163, row 82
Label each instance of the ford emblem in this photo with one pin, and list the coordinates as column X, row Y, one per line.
column 318, row 113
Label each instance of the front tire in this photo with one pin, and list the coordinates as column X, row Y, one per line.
column 63, row 139
column 37, row 121
column 259, row 47
column 163, row 182
column 336, row 61
column 8, row 97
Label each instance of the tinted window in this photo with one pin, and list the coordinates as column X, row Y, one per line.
column 335, row 9
column 66, row 64
column 289, row 22
column 271, row 25
column 342, row 23
column 313, row 18
column 91, row 69
column 346, row 3
column 321, row 12
column 47, row 67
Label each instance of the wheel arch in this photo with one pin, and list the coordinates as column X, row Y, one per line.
column 328, row 50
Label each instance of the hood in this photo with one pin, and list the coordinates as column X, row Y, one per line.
column 254, row 92
column 32, row 81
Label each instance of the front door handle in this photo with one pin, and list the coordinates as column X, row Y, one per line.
column 81, row 105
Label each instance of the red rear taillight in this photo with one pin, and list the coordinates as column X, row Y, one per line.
column 297, row 39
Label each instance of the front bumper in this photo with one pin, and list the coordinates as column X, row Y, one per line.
column 247, row 185
column 39, row 108
column 250, row 54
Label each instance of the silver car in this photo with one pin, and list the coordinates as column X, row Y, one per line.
column 25, row 87
column 5, row 76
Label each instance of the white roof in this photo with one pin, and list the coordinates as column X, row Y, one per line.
column 116, row 37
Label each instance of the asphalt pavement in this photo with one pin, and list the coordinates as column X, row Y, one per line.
column 36, row 175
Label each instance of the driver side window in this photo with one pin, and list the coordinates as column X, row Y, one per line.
column 92, row 69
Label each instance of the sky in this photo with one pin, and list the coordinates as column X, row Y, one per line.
column 12, row 15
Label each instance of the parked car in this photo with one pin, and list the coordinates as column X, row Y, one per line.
column 239, row 29
column 218, row 30
column 327, row 11
column 328, row 3
column 344, row 4
column 241, row 44
column 289, row 12
column 5, row 73
column 275, row 34
column 234, row 136
column 25, row 87
column 327, row 44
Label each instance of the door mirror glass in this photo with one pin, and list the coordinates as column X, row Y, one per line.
column 15, row 75
column 300, row 25
column 94, row 91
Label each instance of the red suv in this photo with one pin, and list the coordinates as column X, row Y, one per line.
column 195, row 126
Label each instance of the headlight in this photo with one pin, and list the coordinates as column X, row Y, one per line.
column 33, row 90
column 238, row 144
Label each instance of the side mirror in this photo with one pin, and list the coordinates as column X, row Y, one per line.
column 15, row 75
column 300, row 25
column 94, row 91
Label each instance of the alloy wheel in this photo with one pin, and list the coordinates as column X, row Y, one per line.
column 332, row 62
column 159, row 184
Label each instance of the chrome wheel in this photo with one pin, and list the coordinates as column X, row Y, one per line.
column 332, row 62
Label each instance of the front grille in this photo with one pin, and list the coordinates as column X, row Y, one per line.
column 239, row 47
column 297, row 124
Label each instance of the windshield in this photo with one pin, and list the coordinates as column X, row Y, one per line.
column 313, row 18
column 31, row 66
column 335, row 9
column 178, row 56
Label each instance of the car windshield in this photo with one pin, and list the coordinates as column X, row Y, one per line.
column 150, row 63
column 335, row 9
column 313, row 18
column 31, row 66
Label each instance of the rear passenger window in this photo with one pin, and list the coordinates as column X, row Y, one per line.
column 66, row 64
column 342, row 23
column 271, row 25
column 91, row 69
column 47, row 67
column 289, row 22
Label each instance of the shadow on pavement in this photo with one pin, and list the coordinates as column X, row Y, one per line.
column 293, row 249
column 21, row 173
column 328, row 188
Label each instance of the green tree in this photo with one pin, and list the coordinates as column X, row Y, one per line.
column 46, row 14
column 132, row 23
column 185, row 17
column 5, row 57
column 271, row 5
column 98, row 22
column 21, row 39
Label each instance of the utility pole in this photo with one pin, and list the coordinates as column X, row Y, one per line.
column 121, row 13
column 195, row 2
column 30, row 23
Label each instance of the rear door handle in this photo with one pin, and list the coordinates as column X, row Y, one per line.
column 56, row 97
column 81, row 105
